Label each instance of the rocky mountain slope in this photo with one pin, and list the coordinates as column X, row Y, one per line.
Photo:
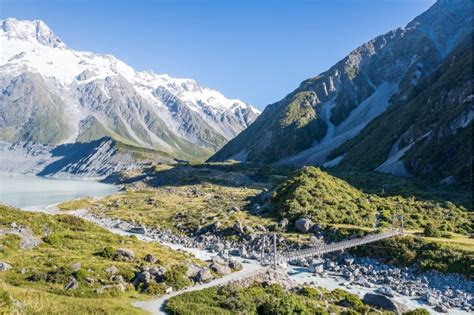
column 51, row 94
column 96, row 159
column 326, row 111
column 427, row 131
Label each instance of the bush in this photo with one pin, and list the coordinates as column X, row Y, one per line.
column 176, row 277
column 107, row 252
column 54, row 239
column 431, row 231
column 58, row 275
column 80, row 275
column 6, row 301
column 154, row 288
column 417, row 311
column 37, row 276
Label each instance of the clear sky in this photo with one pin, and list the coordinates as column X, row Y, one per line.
column 257, row 51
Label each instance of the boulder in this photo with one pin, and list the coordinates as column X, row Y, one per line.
column 76, row 266
column 219, row 260
column 387, row 291
column 303, row 225
column 235, row 265
column 203, row 275
column 72, row 285
column 137, row 230
column 318, row 268
column 283, row 224
column 150, row 258
column 223, row 270
column 142, row 277
column 5, row 266
column 124, row 254
column 238, row 228
column 442, row 308
column 192, row 271
column 381, row 301
column 243, row 252
column 111, row 287
column 112, row 270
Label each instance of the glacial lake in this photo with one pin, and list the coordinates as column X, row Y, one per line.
column 24, row 191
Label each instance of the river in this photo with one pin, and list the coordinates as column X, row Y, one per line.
column 25, row 191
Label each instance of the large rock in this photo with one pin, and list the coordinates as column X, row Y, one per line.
column 381, row 301
column 238, row 228
column 76, row 266
column 72, row 285
column 203, row 275
column 142, row 277
column 150, row 258
column 303, row 225
column 124, row 254
column 5, row 266
column 284, row 224
column 387, row 291
column 137, row 230
column 235, row 265
column 219, row 260
column 192, row 270
column 111, row 287
column 112, row 270
column 223, row 270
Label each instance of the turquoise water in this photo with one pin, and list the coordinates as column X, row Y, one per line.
column 28, row 191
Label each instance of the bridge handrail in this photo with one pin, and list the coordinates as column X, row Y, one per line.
column 319, row 250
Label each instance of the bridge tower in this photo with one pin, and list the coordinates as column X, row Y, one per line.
column 401, row 224
column 274, row 251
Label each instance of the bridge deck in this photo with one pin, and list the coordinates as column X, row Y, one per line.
column 333, row 247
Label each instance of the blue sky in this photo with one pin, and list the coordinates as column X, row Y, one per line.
column 258, row 50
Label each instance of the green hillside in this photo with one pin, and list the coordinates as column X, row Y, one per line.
column 325, row 199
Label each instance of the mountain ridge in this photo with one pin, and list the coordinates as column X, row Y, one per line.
column 91, row 87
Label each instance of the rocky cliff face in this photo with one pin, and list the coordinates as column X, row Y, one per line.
column 51, row 94
column 326, row 111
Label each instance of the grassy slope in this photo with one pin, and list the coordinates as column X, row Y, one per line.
column 70, row 240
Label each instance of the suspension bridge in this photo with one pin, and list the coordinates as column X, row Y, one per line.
column 277, row 258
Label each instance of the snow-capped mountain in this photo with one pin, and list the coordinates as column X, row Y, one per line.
column 52, row 94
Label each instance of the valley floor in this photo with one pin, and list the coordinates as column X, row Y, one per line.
column 225, row 208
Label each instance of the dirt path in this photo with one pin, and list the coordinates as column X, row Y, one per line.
column 157, row 306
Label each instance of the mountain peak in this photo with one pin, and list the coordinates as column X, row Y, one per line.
column 30, row 30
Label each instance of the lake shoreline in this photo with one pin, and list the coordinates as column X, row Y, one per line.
column 24, row 191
